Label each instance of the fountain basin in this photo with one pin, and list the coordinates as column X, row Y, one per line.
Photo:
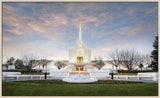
column 80, row 79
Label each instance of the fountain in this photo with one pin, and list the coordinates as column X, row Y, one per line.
column 79, row 79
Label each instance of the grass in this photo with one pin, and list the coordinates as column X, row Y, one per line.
column 60, row 88
column 125, row 73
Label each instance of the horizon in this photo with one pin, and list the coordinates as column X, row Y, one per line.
column 49, row 30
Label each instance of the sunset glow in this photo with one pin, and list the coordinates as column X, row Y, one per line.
column 51, row 29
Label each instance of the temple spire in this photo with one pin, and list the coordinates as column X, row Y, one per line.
column 80, row 36
column 80, row 33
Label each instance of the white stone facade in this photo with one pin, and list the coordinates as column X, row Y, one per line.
column 79, row 52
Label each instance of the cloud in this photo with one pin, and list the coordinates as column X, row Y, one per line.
column 6, row 39
column 15, row 31
column 7, row 8
column 106, row 49
column 50, row 29
column 19, row 24
column 52, row 19
column 15, row 22
column 151, row 10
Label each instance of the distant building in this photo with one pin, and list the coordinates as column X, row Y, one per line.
column 9, row 67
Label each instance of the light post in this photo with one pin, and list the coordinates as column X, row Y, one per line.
column 79, row 71
column 112, row 75
column 45, row 74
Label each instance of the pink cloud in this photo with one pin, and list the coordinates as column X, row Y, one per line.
column 35, row 27
column 6, row 39
column 54, row 27
column 45, row 30
column 52, row 19
column 150, row 10
column 85, row 20
column 17, row 24
column 15, row 31
column 9, row 8
column 136, row 30
column 106, row 49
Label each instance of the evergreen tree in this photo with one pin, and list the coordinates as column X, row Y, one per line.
column 141, row 66
column 154, row 54
column 19, row 64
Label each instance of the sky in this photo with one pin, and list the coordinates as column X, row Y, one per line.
column 49, row 30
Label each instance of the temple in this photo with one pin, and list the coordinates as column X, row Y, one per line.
column 80, row 57
column 79, row 64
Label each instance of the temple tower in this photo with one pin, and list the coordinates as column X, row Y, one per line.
column 79, row 56
column 80, row 43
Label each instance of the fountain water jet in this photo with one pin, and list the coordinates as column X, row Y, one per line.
column 79, row 79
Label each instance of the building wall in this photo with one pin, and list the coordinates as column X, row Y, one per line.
column 79, row 52
column 10, row 67
column 52, row 65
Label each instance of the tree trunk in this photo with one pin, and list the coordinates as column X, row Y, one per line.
column 7, row 67
column 28, row 68
column 43, row 66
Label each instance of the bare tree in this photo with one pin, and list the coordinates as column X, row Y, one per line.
column 29, row 61
column 130, row 58
column 60, row 64
column 116, row 58
column 141, row 59
column 99, row 63
column 19, row 64
column 147, row 60
column 44, row 62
